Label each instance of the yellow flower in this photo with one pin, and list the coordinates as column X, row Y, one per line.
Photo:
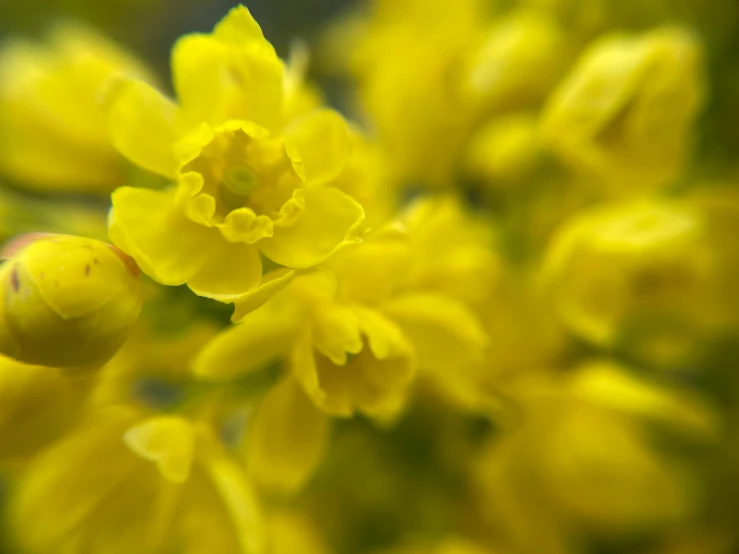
column 120, row 484
column 53, row 135
column 37, row 405
column 67, row 301
column 504, row 150
column 250, row 181
column 516, row 62
column 406, row 57
column 625, row 112
column 581, row 462
column 351, row 333
column 644, row 276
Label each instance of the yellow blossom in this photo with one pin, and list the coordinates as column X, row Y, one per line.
column 351, row 333
column 120, row 484
column 504, row 150
column 53, row 135
column 519, row 58
column 410, row 88
column 67, row 301
column 625, row 112
column 646, row 277
column 250, row 181
column 581, row 463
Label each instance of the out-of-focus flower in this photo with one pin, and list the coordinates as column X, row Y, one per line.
column 506, row 150
column 581, row 460
column 37, row 405
column 120, row 484
column 525, row 331
column 625, row 112
column 413, row 99
column 646, row 277
column 249, row 180
column 520, row 57
column 67, row 301
column 53, row 135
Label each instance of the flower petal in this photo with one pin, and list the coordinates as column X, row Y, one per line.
column 233, row 73
column 330, row 220
column 167, row 246
column 237, row 497
column 262, row 336
column 323, row 142
column 374, row 384
column 168, row 441
column 444, row 333
column 336, row 332
column 272, row 283
column 142, row 124
column 243, row 225
column 229, row 271
column 288, row 438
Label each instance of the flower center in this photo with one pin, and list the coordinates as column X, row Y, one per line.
column 239, row 182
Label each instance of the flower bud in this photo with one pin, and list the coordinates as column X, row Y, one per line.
column 66, row 301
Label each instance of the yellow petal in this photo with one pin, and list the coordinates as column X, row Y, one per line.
column 167, row 441
column 287, row 439
column 336, row 332
column 373, row 271
column 444, row 333
column 75, row 275
column 605, row 383
column 239, row 500
column 142, row 124
column 330, row 220
column 166, row 245
column 229, row 271
column 239, row 28
column 243, row 225
column 62, row 488
column 272, row 283
column 232, row 74
column 262, row 336
column 323, row 143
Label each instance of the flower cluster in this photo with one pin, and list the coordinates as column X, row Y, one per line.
column 489, row 306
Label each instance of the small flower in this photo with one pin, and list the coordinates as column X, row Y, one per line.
column 583, row 458
column 120, row 483
column 625, row 112
column 253, row 168
column 53, row 134
column 645, row 277
column 408, row 86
